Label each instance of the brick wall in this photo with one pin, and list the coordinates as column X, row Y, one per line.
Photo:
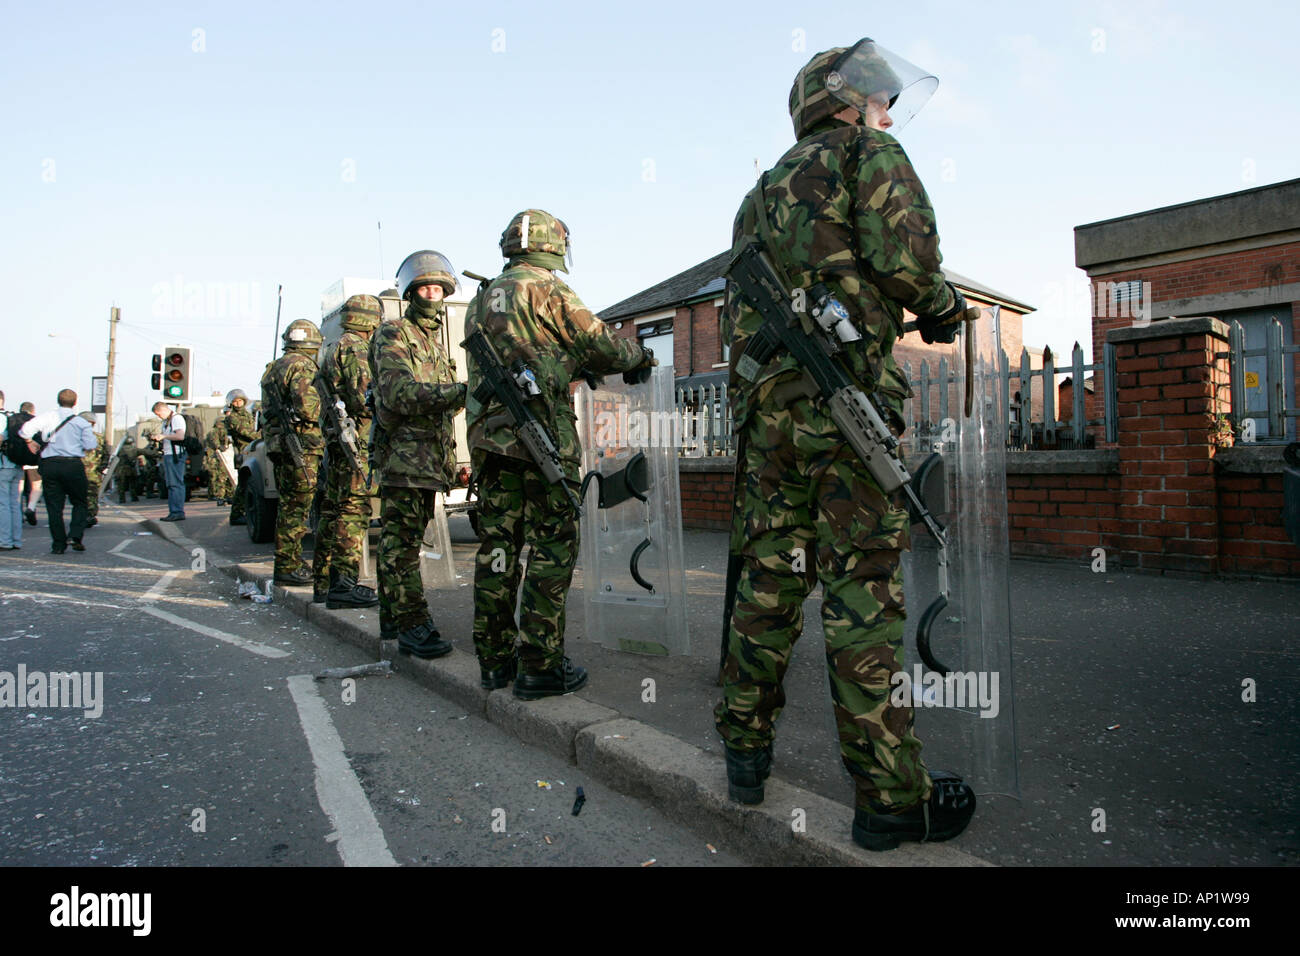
column 1210, row 275
column 1167, row 498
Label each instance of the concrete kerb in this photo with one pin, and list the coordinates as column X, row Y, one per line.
column 681, row 780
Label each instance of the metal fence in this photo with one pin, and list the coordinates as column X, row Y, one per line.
column 705, row 411
column 1023, row 430
column 1273, row 383
column 705, row 414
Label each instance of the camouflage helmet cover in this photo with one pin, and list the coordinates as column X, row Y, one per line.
column 302, row 336
column 425, row 267
column 90, row 417
column 362, row 313
column 848, row 76
column 235, row 393
column 535, row 230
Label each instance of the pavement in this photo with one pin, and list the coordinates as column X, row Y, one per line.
column 1156, row 715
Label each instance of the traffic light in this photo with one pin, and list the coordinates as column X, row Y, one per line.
column 176, row 373
column 155, row 381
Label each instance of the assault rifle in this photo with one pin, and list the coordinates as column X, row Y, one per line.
column 850, row 408
column 511, row 389
column 339, row 427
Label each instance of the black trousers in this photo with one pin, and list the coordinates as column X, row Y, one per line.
column 65, row 479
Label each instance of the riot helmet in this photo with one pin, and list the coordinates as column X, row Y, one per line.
column 862, row 76
column 424, row 267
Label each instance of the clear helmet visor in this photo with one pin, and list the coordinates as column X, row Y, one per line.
column 870, row 79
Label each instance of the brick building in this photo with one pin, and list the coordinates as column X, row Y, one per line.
column 680, row 317
column 1233, row 257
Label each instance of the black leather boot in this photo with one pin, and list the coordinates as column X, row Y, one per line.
column 942, row 817
column 565, row 678
column 746, row 771
column 423, row 641
column 345, row 592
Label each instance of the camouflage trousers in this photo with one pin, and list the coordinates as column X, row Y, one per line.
column 297, row 488
column 811, row 511
column 127, row 482
column 219, row 485
column 344, row 518
column 404, row 515
column 517, row 505
column 92, row 492
column 236, row 496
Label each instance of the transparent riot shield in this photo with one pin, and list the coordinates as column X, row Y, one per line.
column 957, row 594
column 437, row 565
column 633, row 579
column 227, row 456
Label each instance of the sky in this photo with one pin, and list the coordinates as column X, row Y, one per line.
column 182, row 160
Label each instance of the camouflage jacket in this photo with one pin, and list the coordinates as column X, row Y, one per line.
column 127, row 457
column 845, row 208
column 95, row 459
column 217, row 437
column 345, row 374
column 531, row 315
column 292, row 374
column 241, row 427
column 416, row 400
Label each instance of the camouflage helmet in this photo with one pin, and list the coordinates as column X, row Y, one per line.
column 535, row 230
column 90, row 417
column 361, row 313
column 302, row 336
column 235, row 393
column 422, row 268
column 848, row 76
column 810, row 102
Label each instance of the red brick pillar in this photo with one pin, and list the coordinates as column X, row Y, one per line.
column 1169, row 382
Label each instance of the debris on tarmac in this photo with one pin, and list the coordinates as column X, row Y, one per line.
column 543, row 785
column 650, row 862
column 384, row 668
column 577, row 804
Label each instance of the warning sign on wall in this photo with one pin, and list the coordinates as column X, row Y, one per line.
column 1252, row 380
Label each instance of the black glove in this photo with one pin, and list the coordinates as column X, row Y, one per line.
column 641, row 373
column 943, row 328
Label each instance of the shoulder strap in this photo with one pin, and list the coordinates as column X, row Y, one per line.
column 765, row 230
column 61, row 424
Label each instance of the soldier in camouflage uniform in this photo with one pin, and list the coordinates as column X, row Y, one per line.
column 344, row 523
column 532, row 317
column 843, row 207
column 288, row 380
column 94, row 463
column 127, row 477
column 242, row 429
column 416, row 399
column 220, row 487
column 151, row 481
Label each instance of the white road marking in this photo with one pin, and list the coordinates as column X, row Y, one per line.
column 155, row 592
column 59, row 597
column 252, row 647
column 357, row 833
column 117, row 550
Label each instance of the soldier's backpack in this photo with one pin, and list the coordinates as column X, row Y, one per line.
column 193, row 433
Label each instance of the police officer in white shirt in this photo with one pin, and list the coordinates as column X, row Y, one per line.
column 67, row 438
column 173, row 460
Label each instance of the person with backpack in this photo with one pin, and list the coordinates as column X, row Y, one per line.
column 64, row 439
column 11, row 485
column 172, row 437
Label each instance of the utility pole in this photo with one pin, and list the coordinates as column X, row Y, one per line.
column 114, row 316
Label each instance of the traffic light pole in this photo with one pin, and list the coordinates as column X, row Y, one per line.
column 114, row 316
